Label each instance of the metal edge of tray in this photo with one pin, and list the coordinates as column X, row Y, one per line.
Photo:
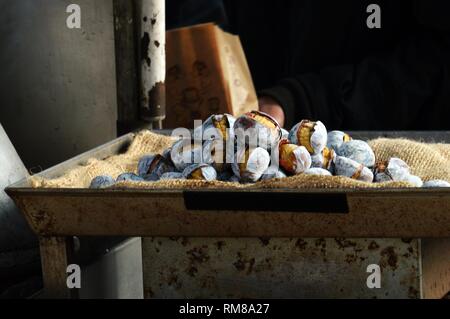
column 168, row 213
column 114, row 147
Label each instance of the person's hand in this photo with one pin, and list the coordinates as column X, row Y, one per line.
column 271, row 107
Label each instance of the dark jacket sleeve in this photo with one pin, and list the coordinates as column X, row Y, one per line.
column 408, row 88
column 182, row 13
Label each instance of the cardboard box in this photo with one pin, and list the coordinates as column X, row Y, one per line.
column 207, row 73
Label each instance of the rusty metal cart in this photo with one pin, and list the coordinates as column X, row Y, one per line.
column 253, row 243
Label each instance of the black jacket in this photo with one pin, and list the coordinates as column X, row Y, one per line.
column 320, row 60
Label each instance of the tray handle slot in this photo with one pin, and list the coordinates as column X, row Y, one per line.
column 330, row 203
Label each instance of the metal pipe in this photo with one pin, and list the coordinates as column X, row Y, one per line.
column 152, row 59
column 126, row 67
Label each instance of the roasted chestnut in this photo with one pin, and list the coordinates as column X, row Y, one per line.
column 358, row 151
column 324, row 159
column 217, row 127
column 266, row 130
column 202, row 172
column 312, row 135
column 352, row 169
column 393, row 170
column 154, row 164
column 129, row 177
column 250, row 164
column 336, row 139
column 294, row 159
column 184, row 153
column 101, row 182
column 215, row 154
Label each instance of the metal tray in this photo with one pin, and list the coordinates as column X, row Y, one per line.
column 409, row 213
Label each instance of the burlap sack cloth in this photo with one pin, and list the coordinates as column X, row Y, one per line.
column 428, row 161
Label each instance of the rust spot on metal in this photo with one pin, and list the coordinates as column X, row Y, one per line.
column 301, row 244
column 407, row 240
column 192, row 271
column 198, row 255
column 344, row 243
column 184, row 241
column 241, row 264
column 251, row 264
column 148, row 293
column 154, row 101
column 320, row 242
column 389, row 258
column 350, row 258
column 220, row 245
column 40, row 217
column 265, row 241
column 413, row 293
column 373, row 246
column 157, row 44
column 153, row 21
column 172, row 279
column 145, row 47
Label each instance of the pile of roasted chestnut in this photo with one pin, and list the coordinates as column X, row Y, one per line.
column 254, row 147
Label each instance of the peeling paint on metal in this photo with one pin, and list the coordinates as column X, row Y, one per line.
column 279, row 268
column 153, row 58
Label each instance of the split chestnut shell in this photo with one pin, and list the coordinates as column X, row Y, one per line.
column 324, row 159
column 215, row 154
column 250, row 164
column 336, row 139
column 202, row 172
column 393, row 170
column 294, row 159
column 184, row 153
column 266, row 129
column 312, row 135
column 219, row 126
column 352, row 169
column 154, row 164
